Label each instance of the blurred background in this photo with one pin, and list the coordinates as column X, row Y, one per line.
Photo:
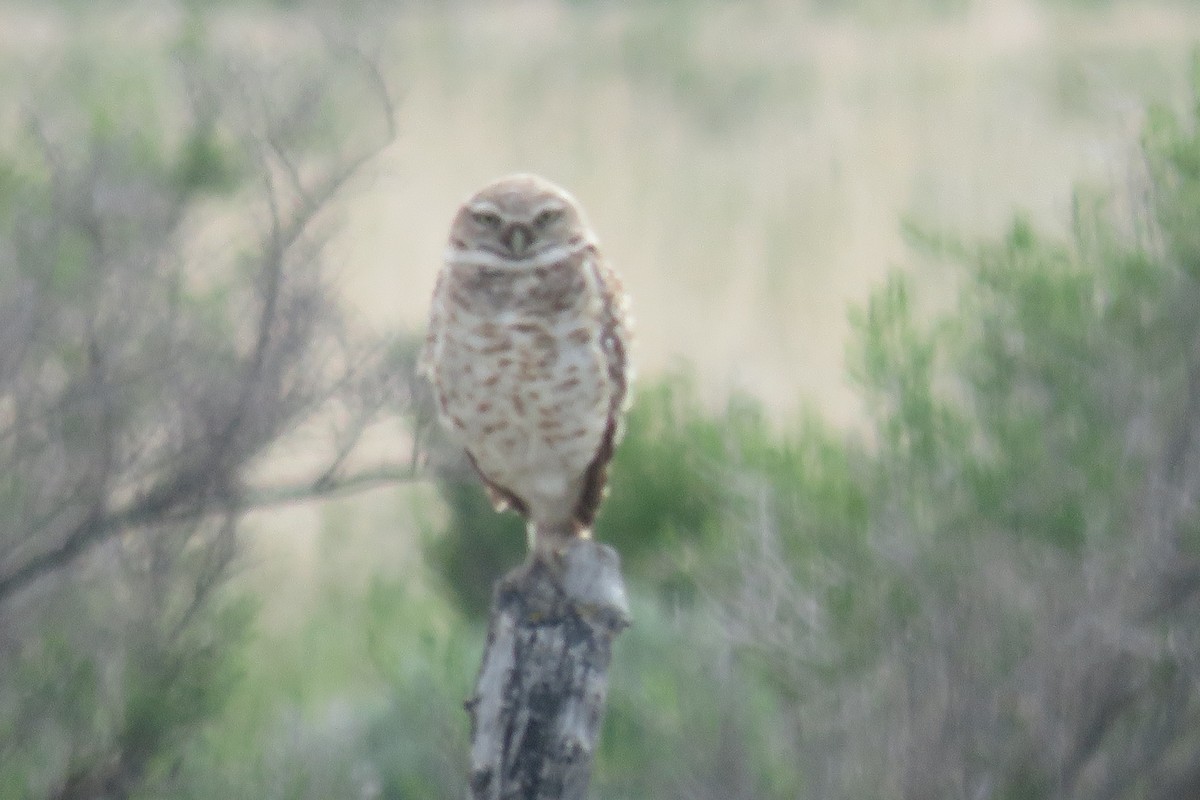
column 907, row 500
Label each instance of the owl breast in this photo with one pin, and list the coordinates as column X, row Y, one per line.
column 524, row 382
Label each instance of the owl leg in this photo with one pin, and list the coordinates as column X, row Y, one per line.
column 547, row 544
column 587, row 573
column 548, row 541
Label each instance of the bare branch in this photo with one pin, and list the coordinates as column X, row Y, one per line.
column 375, row 78
column 181, row 502
column 330, row 485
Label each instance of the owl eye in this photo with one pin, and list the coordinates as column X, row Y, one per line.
column 487, row 219
column 547, row 217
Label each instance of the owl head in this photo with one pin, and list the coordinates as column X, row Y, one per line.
column 516, row 222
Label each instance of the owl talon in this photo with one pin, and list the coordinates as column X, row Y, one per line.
column 591, row 579
column 584, row 574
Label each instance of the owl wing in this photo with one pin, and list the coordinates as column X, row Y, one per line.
column 434, row 332
column 500, row 497
column 614, row 345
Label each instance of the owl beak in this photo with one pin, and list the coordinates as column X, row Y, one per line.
column 518, row 237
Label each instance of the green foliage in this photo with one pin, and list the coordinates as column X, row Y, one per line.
column 168, row 696
column 100, row 694
column 135, row 403
column 1012, row 410
column 417, row 741
column 1023, row 478
column 683, row 720
column 475, row 548
column 98, row 690
column 665, row 498
column 364, row 698
column 680, row 474
column 205, row 163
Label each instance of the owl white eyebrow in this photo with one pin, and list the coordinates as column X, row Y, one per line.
column 483, row 207
column 482, row 258
column 550, row 205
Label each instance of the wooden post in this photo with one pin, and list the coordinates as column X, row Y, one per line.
column 539, row 698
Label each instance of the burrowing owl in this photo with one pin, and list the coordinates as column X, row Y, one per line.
column 527, row 351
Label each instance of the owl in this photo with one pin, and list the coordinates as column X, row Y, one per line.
column 528, row 355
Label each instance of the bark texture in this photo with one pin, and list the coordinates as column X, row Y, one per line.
column 539, row 698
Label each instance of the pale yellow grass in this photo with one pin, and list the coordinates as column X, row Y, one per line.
column 746, row 165
column 743, row 245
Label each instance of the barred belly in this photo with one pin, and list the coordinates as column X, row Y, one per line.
column 530, row 399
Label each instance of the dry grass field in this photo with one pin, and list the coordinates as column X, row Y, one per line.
column 747, row 165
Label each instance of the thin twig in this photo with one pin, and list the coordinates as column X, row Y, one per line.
column 181, row 502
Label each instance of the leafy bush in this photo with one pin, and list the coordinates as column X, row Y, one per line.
column 1027, row 569
column 686, row 721
column 991, row 593
column 363, row 700
column 140, row 383
column 673, row 478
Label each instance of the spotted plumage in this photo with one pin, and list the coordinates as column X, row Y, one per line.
column 527, row 351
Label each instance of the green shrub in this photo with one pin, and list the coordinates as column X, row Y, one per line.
column 1015, row 618
column 679, row 475
column 141, row 382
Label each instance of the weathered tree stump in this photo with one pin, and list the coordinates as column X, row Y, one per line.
column 539, row 698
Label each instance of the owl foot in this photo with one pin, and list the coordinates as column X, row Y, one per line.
column 591, row 579
column 582, row 575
